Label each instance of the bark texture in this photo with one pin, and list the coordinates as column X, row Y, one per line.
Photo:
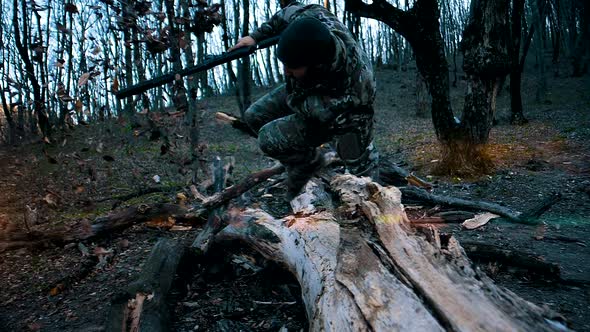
column 362, row 267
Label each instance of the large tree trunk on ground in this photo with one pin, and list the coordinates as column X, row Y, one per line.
column 363, row 268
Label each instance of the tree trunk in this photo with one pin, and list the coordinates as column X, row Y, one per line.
column 178, row 90
column 516, row 114
column 422, row 97
column 192, row 116
column 22, row 46
column 420, row 26
column 581, row 52
column 244, row 73
column 486, row 61
column 539, row 44
column 230, row 72
column 128, row 22
column 365, row 269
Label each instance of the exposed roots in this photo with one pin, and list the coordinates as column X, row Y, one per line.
column 464, row 159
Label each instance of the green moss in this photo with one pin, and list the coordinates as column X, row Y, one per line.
column 223, row 148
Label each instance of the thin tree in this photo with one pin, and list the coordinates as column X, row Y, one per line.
column 517, row 115
column 22, row 45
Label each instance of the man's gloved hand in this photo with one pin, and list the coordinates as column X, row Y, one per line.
column 243, row 42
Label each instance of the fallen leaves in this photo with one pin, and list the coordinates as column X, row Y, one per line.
column 115, row 85
column 71, row 8
column 479, row 220
column 83, row 79
column 57, row 290
column 63, row 29
column 51, row 200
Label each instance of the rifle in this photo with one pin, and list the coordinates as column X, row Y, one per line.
column 207, row 64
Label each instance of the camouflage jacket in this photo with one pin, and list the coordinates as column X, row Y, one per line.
column 346, row 84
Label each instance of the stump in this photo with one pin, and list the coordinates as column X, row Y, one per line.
column 362, row 267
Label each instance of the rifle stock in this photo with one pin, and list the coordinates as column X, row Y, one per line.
column 205, row 65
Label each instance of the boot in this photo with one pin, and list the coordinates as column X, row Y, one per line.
column 299, row 174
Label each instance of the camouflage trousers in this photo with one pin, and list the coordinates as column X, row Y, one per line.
column 292, row 138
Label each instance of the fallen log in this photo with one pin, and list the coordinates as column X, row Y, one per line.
column 362, row 267
column 491, row 253
column 530, row 217
column 142, row 306
column 102, row 226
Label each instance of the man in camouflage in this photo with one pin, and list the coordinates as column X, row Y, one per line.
column 328, row 95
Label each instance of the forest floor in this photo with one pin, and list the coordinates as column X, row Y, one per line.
column 84, row 173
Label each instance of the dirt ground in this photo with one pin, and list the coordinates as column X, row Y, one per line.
column 86, row 172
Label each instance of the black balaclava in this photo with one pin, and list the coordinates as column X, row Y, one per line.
column 306, row 42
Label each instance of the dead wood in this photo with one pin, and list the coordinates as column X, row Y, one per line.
column 235, row 122
column 214, row 219
column 102, row 226
column 236, row 190
column 363, row 268
column 530, row 217
column 510, row 257
column 142, row 306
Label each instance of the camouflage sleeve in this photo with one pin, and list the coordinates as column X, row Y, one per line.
column 277, row 23
column 325, row 109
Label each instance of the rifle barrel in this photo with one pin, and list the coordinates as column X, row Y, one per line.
column 205, row 65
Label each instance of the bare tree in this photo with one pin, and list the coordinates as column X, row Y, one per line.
column 517, row 115
column 485, row 59
column 244, row 74
column 22, row 45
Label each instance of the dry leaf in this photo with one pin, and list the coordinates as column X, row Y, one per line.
column 62, row 28
column 479, row 220
column 83, row 79
column 56, row 290
column 115, row 85
column 50, row 199
column 79, row 189
column 78, row 106
column 161, row 222
column 71, row 8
